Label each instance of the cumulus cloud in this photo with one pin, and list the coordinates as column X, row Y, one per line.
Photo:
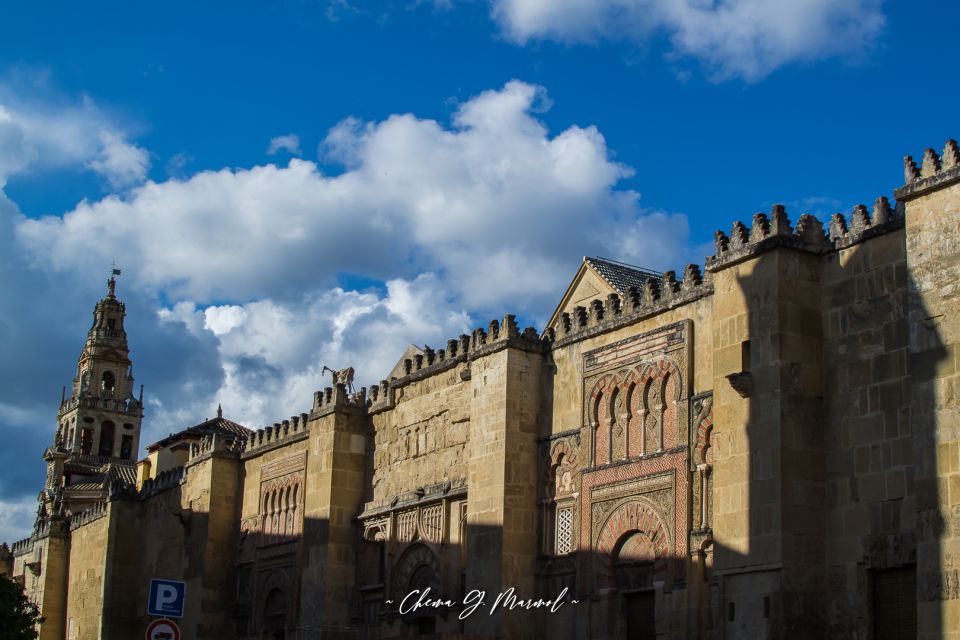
column 120, row 162
column 496, row 206
column 40, row 131
column 732, row 38
column 16, row 517
column 273, row 353
column 289, row 143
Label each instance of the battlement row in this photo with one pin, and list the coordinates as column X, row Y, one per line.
column 932, row 164
column 808, row 234
column 272, row 434
column 95, row 512
column 164, row 480
column 652, row 297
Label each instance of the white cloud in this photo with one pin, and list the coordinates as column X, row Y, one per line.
column 289, row 143
column 488, row 215
column 732, row 38
column 120, row 162
column 501, row 210
column 273, row 353
column 40, row 131
column 16, row 518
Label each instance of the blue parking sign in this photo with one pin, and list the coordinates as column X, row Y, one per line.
column 166, row 598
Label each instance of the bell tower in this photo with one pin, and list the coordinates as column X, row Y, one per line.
column 98, row 425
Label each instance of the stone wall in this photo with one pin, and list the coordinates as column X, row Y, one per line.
column 868, row 442
column 932, row 199
column 85, row 587
column 422, row 440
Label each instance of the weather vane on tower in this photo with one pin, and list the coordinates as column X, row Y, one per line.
column 112, row 282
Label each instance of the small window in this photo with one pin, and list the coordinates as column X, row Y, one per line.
column 564, row 531
column 111, row 324
column 107, row 381
column 107, row 430
column 745, row 355
column 86, row 441
column 731, row 612
column 126, row 447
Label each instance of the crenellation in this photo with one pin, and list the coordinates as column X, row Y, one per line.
column 910, row 170
column 612, row 307
column 740, row 235
column 692, row 278
column 165, row 480
column 882, row 213
column 779, row 222
column 595, row 314
column 931, row 164
column 493, row 330
column 633, row 299
column 860, row 220
column 566, row 325
column 651, row 292
column 951, row 155
column 479, row 339
column 579, row 318
column 509, row 327
column 810, row 230
column 92, row 514
column 935, row 173
column 669, row 286
column 838, row 227
column 760, row 228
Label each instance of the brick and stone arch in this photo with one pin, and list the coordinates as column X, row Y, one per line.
column 702, row 473
column 601, row 417
column 275, row 602
column 280, row 508
column 633, row 535
column 417, row 568
column 655, row 390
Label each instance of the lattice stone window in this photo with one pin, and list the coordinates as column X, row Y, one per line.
column 406, row 526
column 432, row 522
column 564, row 530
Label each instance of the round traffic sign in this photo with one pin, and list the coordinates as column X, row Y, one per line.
column 163, row 630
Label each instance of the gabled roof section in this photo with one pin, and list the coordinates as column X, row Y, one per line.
column 218, row 426
column 596, row 279
column 620, row 275
column 399, row 370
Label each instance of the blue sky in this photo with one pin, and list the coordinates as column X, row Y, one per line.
column 289, row 185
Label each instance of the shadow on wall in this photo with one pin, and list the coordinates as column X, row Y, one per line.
column 840, row 533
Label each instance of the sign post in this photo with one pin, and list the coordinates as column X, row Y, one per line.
column 163, row 630
column 166, row 598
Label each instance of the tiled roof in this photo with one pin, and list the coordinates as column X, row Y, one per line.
column 85, row 486
column 218, row 425
column 125, row 473
column 622, row 276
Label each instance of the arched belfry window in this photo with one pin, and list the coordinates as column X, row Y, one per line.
column 107, row 381
column 107, row 432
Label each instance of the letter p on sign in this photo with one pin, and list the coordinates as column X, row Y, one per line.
column 166, row 598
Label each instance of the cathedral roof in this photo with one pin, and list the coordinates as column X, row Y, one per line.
column 598, row 277
column 620, row 275
column 218, row 425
